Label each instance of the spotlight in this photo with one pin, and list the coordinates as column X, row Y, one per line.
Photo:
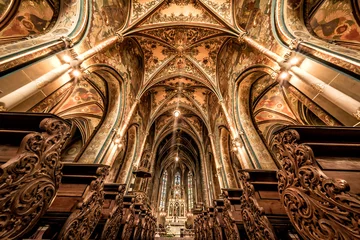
column 117, row 141
column 294, row 61
column 235, row 148
column 76, row 73
column 177, row 159
column 284, row 75
column 176, row 113
column 66, row 58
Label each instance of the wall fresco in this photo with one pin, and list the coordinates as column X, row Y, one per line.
column 4, row 8
column 261, row 157
column 295, row 28
column 245, row 12
column 334, row 20
column 127, row 59
column 32, row 18
column 233, row 59
column 69, row 21
column 52, row 100
column 108, row 17
column 84, row 102
column 294, row 96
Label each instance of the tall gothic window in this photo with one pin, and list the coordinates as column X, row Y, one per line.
column 177, row 179
column 190, row 191
column 163, row 191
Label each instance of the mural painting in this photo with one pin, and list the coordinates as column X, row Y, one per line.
column 32, row 18
column 334, row 20
column 127, row 59
column 85, row 104
column 107, row 19
column 232, row 60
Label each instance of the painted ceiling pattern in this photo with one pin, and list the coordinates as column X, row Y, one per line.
column 183, row 46
column 189, row 11
column 180, row 41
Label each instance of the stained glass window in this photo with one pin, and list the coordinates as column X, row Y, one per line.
column 163, row 191
column 190, row 190
column 177, row 179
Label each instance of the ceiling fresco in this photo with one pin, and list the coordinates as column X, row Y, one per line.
column 180, row 42
column 188, row 11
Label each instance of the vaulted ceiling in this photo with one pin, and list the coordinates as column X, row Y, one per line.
column 180, row 40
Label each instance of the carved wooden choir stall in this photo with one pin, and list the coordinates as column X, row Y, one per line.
column 44, row 198
column 313, row 195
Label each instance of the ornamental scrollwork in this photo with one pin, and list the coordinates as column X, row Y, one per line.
column 112, row 224
column 230, row 228
column 82, row 222
column 257, row 225
column 217, row 226
column 319, row 207
column 30, row 180
column 129, row 224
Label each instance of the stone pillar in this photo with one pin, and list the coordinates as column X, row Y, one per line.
column 220, row 172
column 343, row 101
column 26, row 91
column 225, row 158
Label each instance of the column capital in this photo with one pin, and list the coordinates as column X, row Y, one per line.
column 294, row 43
column 236, row 144
column 67, row 41
column 241, row 37
column 120, row 36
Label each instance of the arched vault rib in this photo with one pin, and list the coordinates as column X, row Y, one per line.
column 180, row 105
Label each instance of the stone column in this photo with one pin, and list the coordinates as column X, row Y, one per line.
column 220, row 172
column 26, row 91
column 345, row 102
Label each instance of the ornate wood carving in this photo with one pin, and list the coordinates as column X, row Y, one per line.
column 29, row 181
column 138, row 226
column 230, row 228
column 129, row 223
column 319, row 207
column 113, row 223
column 217, row 226
column 146, row 222
column 256, row 224
column 208, row 227
column 84, row 219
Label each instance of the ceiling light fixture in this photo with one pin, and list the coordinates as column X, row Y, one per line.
column 76, row 73
column 66, row 58
column 294, row 61
column 284, row 75
column 177, row 158
column 177, row 113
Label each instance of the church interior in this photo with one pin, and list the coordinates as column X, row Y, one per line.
column 194, row 119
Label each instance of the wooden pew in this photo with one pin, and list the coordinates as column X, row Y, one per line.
column 197, row 212
column 219, row 224
column 210, row 230
column 231, row 213
column 263, row 214
column 319, row 176
column 128, row 221
column 30, row 150
column 113, row 212
column 77, row 208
